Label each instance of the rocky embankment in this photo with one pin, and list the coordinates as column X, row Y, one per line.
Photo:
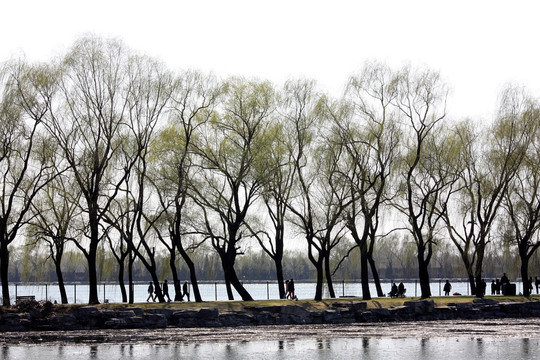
column 43, row 316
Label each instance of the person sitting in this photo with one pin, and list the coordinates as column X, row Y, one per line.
column 393, row 291
column 401, row 290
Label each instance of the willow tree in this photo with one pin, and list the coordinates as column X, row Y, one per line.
column 26, row 155
column 53, row 220
column 227, row 184
column 522, row 198
column 193, row 99
column 489, row 161
column 421, row 102
column 370, row 137
column 89, row 124
column 317, row 200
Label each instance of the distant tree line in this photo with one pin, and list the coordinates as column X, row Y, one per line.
column 109, row 156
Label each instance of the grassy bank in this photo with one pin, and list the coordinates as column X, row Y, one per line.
column 225, row 306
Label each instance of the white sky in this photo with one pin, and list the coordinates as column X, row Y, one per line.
column 478, row 46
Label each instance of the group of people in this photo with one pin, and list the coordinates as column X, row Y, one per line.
column 165, row 290
column 289, row 290
column 397, row 291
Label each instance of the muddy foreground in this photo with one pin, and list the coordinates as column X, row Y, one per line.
column 503, row 328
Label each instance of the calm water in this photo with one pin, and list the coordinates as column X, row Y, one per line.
column 216, row 291
column 304, row 348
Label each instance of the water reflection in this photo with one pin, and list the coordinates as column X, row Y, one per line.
column 318, row 348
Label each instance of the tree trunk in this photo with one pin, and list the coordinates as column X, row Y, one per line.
column 4, row 274
column 423, row 273
column 376, row 278
column 366, row 294
column 525, row 272
column 280, row 278
column 319, row 285
column 121, row 271
column 192, row 271
column 328, row 274
column 227, row 261
column 472, row 283
column 61, row 285
column 92, row 273
column 131, row 260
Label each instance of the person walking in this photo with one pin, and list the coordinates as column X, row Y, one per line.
column 150, row 293
column 291, row 290
column 185, row 287
column 165, row 288
column 287, row 290
column 447, row 288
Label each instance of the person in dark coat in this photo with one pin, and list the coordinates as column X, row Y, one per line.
column 150, row 293
column 447, row 288
column 165, row 288
column 291, row 289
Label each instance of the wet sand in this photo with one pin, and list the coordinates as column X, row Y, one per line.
column 497, row 328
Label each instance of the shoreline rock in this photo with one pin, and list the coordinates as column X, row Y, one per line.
column 41, row 316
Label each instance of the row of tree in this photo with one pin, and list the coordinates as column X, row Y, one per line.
column 395, row 260
column 105, row 146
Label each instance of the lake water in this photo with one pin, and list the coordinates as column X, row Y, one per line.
column 303, row 348
column 78, row 293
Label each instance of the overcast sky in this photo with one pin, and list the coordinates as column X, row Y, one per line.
column 477, row 46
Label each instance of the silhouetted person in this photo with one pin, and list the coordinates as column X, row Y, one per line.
column 393, row 290
column 536, row 283
column 150, row 292
column 504, row 283
column 401, row 290
column 291, row 289
column 447, row 288
column 165, row 288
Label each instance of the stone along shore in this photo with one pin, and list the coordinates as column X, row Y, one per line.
column 44, row 316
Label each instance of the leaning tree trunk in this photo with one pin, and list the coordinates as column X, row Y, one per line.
column 328, row 274
column 61, row 285
column 375, row 274
column 227, row 261
column 192, row 271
